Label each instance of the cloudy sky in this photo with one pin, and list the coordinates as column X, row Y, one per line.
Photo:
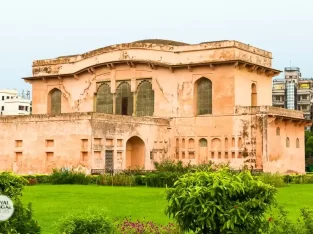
column 40, row 29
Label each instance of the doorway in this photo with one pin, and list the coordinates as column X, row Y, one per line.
column 124, row 105
column 135, row 153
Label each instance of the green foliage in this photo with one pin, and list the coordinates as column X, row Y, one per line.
column 63, row 176
column 220, row 202
column 117, row 180
column 37, row 179
column 145, row 227
column 21, row 221
column 169, row 165
column 162, row 179
column 281, row 224
column 89, row 221
column 276, row 179
column 299, row 179
column 308, row 144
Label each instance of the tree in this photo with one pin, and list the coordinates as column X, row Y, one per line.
column 308, row 144
column 220, row 202
column 21, row 220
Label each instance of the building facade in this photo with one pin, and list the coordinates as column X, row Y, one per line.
column 13, row 104
column 128, row 105
column 294, row 92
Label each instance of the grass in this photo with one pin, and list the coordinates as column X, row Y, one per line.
column 51, row 202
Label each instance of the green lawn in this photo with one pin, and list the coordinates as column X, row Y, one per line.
column 51, row 202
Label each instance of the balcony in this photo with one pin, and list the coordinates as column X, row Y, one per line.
column 278, row 102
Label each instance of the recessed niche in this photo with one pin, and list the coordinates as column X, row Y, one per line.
column 49, row 143
column 18, row 143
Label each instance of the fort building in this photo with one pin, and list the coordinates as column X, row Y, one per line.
column 128, row 105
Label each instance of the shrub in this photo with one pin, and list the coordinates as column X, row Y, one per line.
column 87, row 222
column 162, row 179
column 63, row 176
column 276, row 179
column 220, row 202
column 93, row 179
column 117, row 180
column 145, row 227
column 21, row 221
column 281, row 224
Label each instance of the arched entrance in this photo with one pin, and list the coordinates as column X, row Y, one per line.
column 135, row 153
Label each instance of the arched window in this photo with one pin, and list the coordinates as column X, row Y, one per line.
column 277, row 131
column 239, row 142
column 254, row 95
column 204, row 96
column 54, row 101
column 297, row 143
column 191, row 143
column 124, row 100
column 287, row 142
column 104, row 103
column 203, row 142
column 145, row 99
column 183, row 143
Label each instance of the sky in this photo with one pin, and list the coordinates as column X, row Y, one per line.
column 36, row 29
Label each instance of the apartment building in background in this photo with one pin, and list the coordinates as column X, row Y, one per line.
column 11, row 103
column 294, row 92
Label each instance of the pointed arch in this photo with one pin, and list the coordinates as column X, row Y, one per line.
column 277, row 131
column 124, row 100
column 254, row 95
column 54, row 101
column 203, row 94
column 145, row 99
column 104, row 102
column 203, row 142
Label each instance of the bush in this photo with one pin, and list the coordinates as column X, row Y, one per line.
column 87, row 222
column 145, row 227
column 21, row 220
column 162, row 179
column 220, row 202
column 63, row 176
column 282, row 225
column 117, row 180
column 276, row 179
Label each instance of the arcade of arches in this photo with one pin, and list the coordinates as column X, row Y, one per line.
column 123, row 100
column 135, row 153
column 122, row 103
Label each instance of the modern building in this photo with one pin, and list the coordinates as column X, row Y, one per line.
column 128, row 105
column 294, row 92
column 13, row 104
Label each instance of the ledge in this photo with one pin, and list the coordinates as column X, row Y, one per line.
column 269, row 110
column 84, row 116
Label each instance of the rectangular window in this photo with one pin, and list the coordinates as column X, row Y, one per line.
column 8, row 97
column 21, row 107
column 2, row 108
column 2, row 98
column 26, row 108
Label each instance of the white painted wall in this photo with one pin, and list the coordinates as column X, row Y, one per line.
column 12, row 104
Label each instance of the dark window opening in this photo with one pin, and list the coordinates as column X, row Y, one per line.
column 124, row 105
